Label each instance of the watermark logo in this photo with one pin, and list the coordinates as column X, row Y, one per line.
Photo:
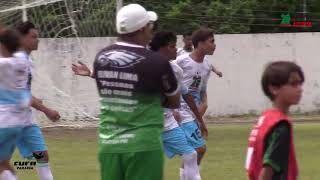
column 25, row 165
column 287, row 21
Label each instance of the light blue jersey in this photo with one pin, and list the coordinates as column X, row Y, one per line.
column 15, row 100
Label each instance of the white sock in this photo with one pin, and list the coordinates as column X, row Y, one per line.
column 44, row 171
column 199, row 177
column 7, row 175
column 181, row 174
column 191, row 169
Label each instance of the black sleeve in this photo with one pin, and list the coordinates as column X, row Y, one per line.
column 169, row 84
column 95, row 66
column 93, row 73
column 276, row 150
column 96, row 62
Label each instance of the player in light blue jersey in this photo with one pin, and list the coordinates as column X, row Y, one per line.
column 196, row 74
column 173, row 137
column 188, row 48
column 32, row 144
column 15, row 100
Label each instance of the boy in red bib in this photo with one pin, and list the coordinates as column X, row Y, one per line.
column 271, row 154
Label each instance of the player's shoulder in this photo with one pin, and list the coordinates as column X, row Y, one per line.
column 283, row 126
column 4, row 62
column 182, row 59
column 126, row 49
column 8, row 60
column 207, row 66
column 180, row 50
column 158, row 59
column 280, row 130
column 184, row 56
column 185, row 62
column 21, row 54
column 176, row 68
column 106, row 49
column 124, row 53
column 273, row 113
column 13, row 63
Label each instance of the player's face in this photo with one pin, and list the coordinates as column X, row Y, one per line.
column 31, row 40
column 187, row 42
column 172, row 50
column 290, row 93
column 209, row 46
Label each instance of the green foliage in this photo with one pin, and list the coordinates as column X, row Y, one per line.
column 87, row 18
column 232, row 16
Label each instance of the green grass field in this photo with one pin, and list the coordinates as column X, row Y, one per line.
column 74, row 156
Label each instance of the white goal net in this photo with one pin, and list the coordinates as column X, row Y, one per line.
column 70, row 31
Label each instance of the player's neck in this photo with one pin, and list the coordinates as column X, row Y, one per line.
column 164, row 53
column 133, row 40
column 281, row 107
column 188, row 49
column 197, row 56
column 26, row 50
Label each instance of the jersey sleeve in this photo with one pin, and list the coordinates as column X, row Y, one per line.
column 204, row 84
column 277, row 147
column 207, row 61
column 179, row 62
column 95, row 65
column 93, row 72
column 206, row 78
column 21, row 55
column 169, row 83
column 179, row 75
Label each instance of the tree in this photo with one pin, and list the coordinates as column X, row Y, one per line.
column 87, row 18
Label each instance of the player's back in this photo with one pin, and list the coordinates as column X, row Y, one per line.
column 14, row 96
column 131, row 81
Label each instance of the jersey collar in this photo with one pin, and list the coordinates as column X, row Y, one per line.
column 129, row 44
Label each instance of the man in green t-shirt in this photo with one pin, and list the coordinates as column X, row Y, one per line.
column 134, row 83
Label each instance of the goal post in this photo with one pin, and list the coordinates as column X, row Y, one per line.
column 66, row 29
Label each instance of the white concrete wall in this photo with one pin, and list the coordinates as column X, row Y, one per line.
column 241, row 58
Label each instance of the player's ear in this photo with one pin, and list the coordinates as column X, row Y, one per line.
column 142, row 29
column 274, row 90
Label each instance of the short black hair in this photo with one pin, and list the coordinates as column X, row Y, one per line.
column 277, row 74
column 162, row 39
column 201, row 35
column 10, row 39
column 188, row 33
column 25, row 27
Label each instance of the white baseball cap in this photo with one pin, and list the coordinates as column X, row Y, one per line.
column 133, row 17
